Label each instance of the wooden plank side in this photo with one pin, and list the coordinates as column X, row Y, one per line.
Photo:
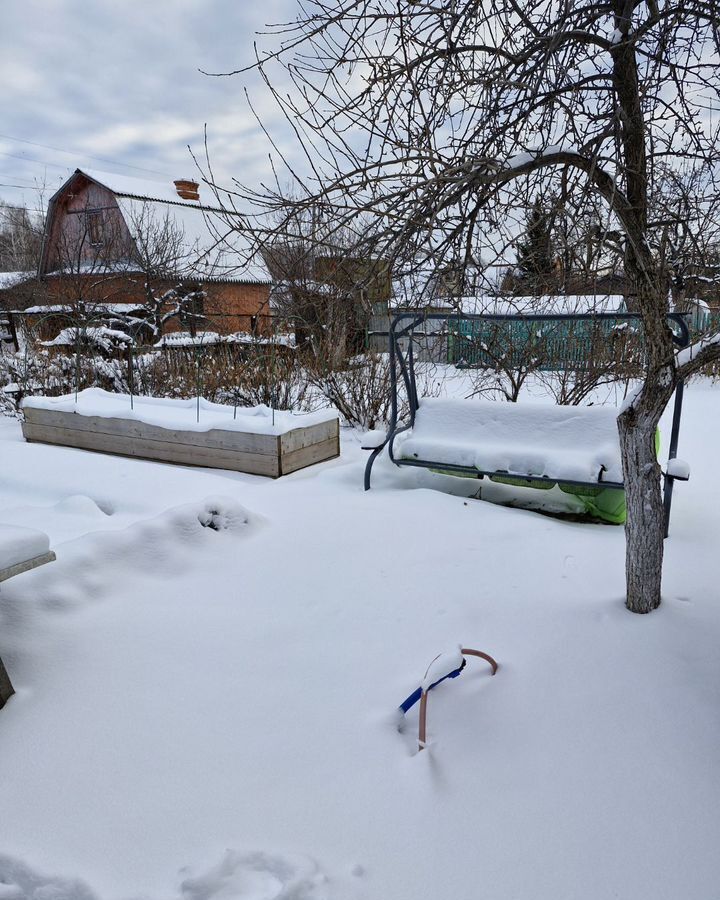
column 239, row 441
column 26, row 565
column 309, row 434
column 308, row 456
column 142, row 448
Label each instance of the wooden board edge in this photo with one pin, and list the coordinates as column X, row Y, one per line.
column 27, row 565
column 310, row 455
column 214, row 438
column 263, row 464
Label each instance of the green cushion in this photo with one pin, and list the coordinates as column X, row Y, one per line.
column 606, row 504
column 539, row 484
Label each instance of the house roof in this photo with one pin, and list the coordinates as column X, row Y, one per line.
column 556, row 304
column 141, row 188
column 12, row 279
column 215, row 248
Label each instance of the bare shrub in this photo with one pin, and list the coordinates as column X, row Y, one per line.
column 51, row 373
column 246, row 376
column 500, row 358
column 361, row 389
column 570, row 357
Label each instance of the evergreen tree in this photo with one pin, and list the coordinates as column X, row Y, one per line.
column 534, row 251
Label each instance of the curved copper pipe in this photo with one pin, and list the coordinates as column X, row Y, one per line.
column 422, row 728
column 466, row 651
column 422, row 725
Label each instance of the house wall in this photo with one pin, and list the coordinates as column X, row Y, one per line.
column 76, row 272
column 231, row 307
column 228, row 306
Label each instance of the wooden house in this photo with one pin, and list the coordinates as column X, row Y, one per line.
column 112, row 241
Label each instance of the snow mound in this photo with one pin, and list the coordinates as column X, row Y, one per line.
column 222, row 514
column 19, row 882
column 252, row 876
column 180, row 539
column 82, row 505
column 259, row 876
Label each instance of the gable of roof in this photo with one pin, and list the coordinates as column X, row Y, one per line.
column 214, row 246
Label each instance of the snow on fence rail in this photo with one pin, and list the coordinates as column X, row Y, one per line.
column 255, row 440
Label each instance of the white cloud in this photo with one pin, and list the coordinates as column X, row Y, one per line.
column 122, row 82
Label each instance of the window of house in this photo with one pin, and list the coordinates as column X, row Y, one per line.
column 95, row 227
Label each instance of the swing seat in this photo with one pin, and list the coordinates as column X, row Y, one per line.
column 539, row 441
column 535, row 445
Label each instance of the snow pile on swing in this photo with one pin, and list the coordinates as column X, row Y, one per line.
column 564, row 443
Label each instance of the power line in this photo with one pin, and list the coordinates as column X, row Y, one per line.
column 29, row 182
column 39, row 162
column 112, row 162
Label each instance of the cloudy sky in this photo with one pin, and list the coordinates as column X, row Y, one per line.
column 114, row 85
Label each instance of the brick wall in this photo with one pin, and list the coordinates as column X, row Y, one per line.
column 228, row 306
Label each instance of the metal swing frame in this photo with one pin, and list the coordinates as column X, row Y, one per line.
column 403, row 326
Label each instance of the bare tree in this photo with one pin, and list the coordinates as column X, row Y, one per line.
column 438, row 121
column 687, row 233
column 163, row 254
column 322, row 285
column 20, row 239
column 130, row 273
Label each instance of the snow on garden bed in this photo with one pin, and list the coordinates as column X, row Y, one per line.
column 188, row 415
column 576, row 443
column 259, row 440
column 18, row 545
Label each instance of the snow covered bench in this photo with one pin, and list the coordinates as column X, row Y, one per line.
column 527, row 444
column 21, row 549
column 534, row 445
column 195, row 432
column 535, row 441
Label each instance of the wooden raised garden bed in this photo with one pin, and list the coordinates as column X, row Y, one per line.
column 254, row 440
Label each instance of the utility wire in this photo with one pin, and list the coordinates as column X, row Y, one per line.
column 112, row 162
column 30, row 182
column 39, row 162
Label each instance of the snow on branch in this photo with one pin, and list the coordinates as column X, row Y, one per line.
column 693, row 358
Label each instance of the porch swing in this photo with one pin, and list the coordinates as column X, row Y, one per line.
column 532, row 445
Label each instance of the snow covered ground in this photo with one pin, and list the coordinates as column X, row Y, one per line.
column 207, row 682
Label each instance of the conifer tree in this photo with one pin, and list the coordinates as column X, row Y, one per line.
column 534, row 251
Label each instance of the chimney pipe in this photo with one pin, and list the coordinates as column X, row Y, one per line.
column 187, row 189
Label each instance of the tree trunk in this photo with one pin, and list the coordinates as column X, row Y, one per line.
column 645, row 523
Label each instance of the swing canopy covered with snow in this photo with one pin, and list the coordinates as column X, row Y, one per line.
column 536, row 445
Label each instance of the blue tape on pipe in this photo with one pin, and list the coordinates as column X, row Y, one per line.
column 410, row 701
